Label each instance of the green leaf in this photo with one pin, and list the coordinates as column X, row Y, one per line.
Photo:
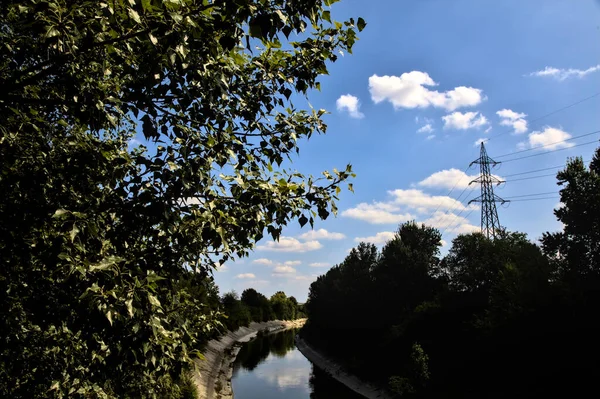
column 361, row 24
column 134, row 15
column 129, row 304
column 302, row 220
column 153, row 300
column 73, row 232
column 61, row 214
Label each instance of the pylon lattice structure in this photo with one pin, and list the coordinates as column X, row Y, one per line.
column 490, row 223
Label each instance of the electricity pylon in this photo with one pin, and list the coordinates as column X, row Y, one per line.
column 489, row 214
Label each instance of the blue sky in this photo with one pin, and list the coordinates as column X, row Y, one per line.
column 463, row 68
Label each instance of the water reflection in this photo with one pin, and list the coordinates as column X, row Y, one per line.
column 271, row 367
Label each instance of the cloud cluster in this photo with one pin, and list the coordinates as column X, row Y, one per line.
column 402, row 202
column 377, row 213
column 245, row 276
column 564, row 74
column 349, row 103
column 513, row 119
column 450, row 222
column 426, row 129
column 290, row 244
column 548, row 139
column 468, row 120
column 379, row 238
column 283, row 269
column 442, row 212
column 319, row 264
column 411, row 90
column 447, row 178
column 321, row 234
column 263, row 261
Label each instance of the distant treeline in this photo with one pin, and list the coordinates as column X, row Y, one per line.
column 492, row 318
column 254, row 306
column 233, row 311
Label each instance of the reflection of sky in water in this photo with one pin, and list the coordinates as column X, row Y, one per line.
column 275, row 377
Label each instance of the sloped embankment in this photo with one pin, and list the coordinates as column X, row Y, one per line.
column 213, row 378
column 336, row 371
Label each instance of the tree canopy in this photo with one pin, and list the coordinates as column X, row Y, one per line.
column 492, row 318
column 98, row 238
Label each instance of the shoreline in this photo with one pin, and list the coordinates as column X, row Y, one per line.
column 213, row 375
column 336, row 371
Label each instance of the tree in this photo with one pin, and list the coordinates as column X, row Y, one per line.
column 258, row 304
column 97, row 238
column 238, row 314
column 283, row 308
column 576, row 250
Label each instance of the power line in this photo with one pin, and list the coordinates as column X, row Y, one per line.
column 451, row 190
column 551, row 151
column 548, row 145
column 529, row 178
column 449, row 212
column 456, row 224
column 532, row 195
column 550, row 113
column 538, row 170
column 534, row 199
column 534, row 171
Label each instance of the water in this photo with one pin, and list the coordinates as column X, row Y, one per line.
column 271, row 367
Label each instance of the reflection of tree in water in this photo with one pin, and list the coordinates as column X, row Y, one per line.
column 256, row 351
column 323, row 386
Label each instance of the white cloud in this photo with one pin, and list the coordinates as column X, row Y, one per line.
column 426, row 129
column 550, row 138
column 451, row 222
column 431, row 137
column 514, row 119
column 489, row 129
column 377, row 213
column 321, row 234
column 263, row 261
column 402, row 202
column 222, row 268
column 319, row 264
column 290, row 244
column 284, row 269
column 305, row 278
column 245, row 276
column 478, row 142
column 409, row 91
column 443, row 242
column 417, row 199
column 460, row 121
column 447, row 178
column 292, row 263
column 563, row 74
column 349, row 103
column 379, row 238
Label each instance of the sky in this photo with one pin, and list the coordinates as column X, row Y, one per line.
column 427, row 81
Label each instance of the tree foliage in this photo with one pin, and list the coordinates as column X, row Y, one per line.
column 576, row 250
column 492, row 318
column 98, row 239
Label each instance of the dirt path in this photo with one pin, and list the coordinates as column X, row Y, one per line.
column 336, row 371
column 213, row 378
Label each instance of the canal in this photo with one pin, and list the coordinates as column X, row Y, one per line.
column 271, row 367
